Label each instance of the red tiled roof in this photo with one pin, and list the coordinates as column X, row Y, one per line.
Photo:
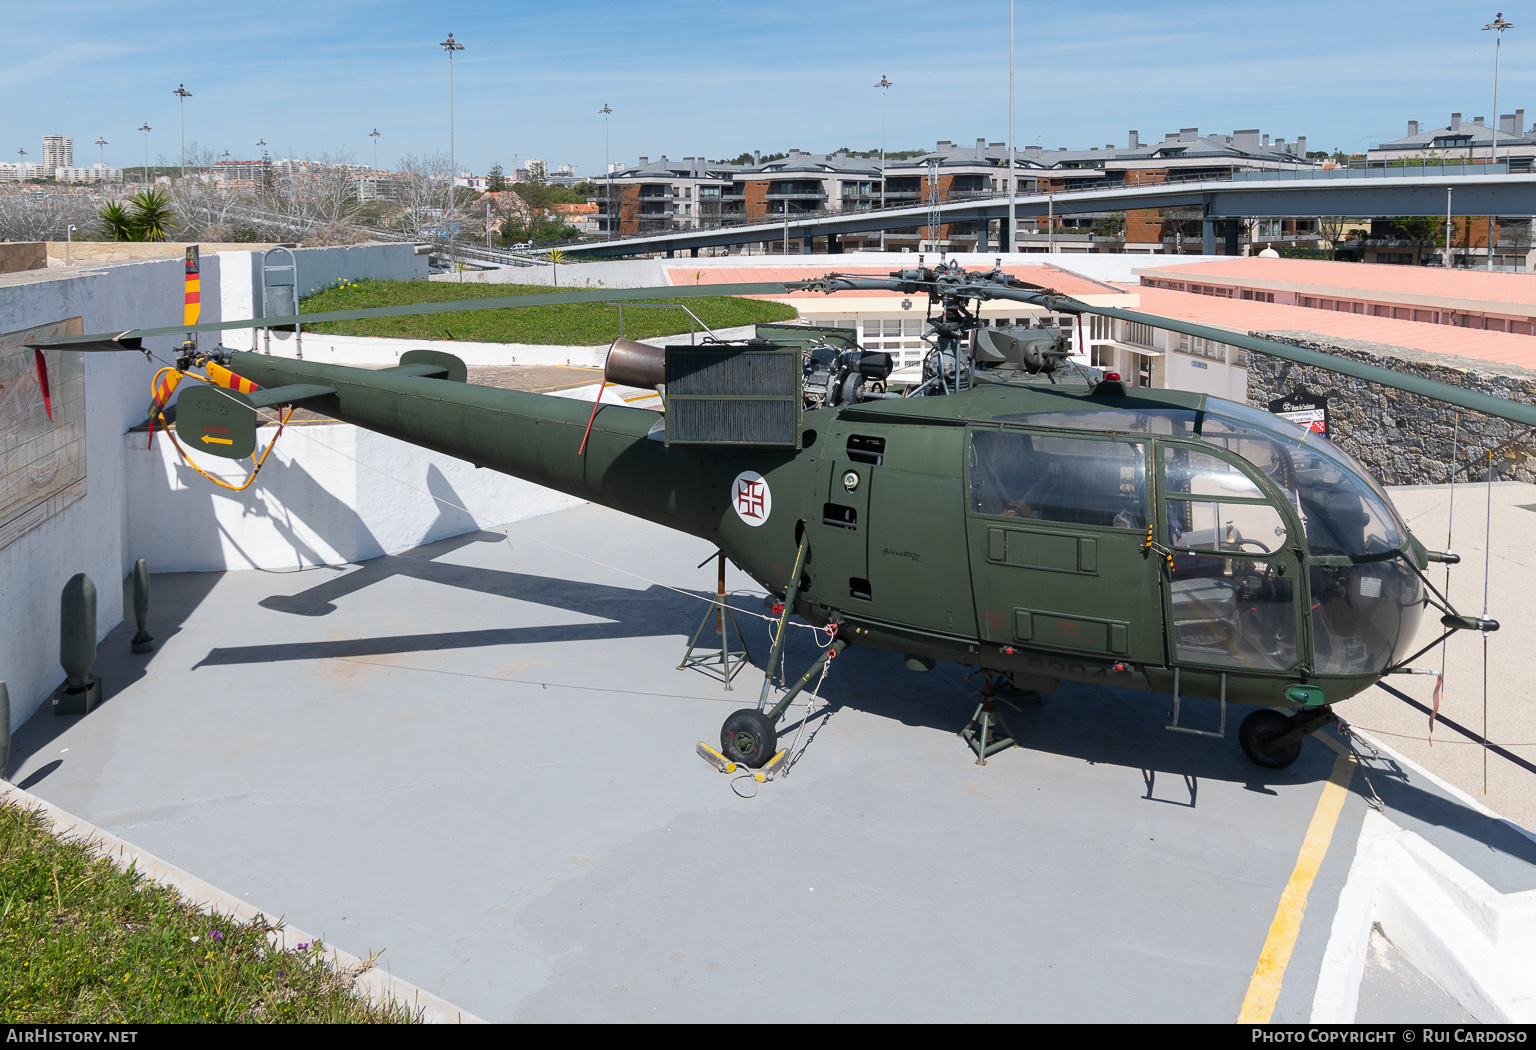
column 1045, row 276
column 1245, row 316
column 1365, row 278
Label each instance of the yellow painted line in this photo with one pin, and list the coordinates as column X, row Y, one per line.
column 1264, row 988
column 641, row 397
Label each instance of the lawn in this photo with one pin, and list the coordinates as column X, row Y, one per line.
column 572, row 325
column 84, row 943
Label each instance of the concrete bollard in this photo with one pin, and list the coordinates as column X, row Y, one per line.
column 81, row 690
column 5, row 733
column 143, row 641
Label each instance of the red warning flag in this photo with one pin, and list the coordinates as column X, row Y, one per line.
column 42, row 382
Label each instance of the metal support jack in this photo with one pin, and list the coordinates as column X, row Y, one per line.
column 1174, row 727
column 722, row 663
column 981, row 732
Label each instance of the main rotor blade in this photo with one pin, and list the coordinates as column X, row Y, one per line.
column 1513, row 411
column 586, row 295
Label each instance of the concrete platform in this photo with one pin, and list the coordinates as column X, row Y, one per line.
column 478, row 757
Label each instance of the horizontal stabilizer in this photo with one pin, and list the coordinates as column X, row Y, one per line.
column 286, row 395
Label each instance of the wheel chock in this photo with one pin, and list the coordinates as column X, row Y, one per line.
column 773, row 765
column 716, row 759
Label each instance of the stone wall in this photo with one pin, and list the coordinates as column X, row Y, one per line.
column 1405, row 439
column 16, row 256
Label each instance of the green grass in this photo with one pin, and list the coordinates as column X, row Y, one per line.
column 84, row 943
column 571, row 325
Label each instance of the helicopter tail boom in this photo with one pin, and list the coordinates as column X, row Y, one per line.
column 536, row 437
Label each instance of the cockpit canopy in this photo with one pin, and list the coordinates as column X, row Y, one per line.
column 1343, row 512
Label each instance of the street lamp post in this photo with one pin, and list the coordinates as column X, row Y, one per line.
column 884, row 86
column 607, row 172
column 450, row 45
column 262, row 145
column 375, row 136
column 182, row 94
column 1012, row 244
column 146, row 129
column 1498, row 25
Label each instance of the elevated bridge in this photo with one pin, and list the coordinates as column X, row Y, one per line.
column 1358, row 193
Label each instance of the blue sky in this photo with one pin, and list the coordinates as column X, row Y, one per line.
column 715, row 78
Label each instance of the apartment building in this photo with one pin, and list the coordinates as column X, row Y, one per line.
column 1468, row 141
column 693, row 192
column 14, row 171
column 58, row 152
column 95, row 173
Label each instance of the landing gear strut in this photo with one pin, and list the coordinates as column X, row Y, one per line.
column 1273, row 740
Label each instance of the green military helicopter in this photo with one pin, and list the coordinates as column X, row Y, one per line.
column 1003, row 513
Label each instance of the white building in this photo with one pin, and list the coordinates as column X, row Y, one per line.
column 95, row 173
column 13, row 171
column 58, row 152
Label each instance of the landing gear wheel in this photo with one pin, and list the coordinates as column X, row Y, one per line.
column 1258, row 729
column 748, row 738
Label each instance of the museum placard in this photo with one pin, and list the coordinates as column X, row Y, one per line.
column 42, row 462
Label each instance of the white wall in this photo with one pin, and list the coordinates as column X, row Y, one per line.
column 318, row 268
column 650, row 273
column 330, row 493
column 88, row 535
column 299, row 521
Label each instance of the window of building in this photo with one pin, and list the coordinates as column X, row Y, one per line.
column 1198, row 347
column 1140, row 334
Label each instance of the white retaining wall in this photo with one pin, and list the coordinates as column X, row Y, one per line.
column 112, row 525
column 329, row 493
column 650, row 273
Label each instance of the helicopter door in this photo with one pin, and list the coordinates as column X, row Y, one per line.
column 842, row 551
column 1057, row 525
column 1233, row 581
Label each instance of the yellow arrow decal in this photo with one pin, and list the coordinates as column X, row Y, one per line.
column 217, row 441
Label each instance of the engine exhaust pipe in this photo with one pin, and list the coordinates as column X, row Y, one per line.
column 635, row 364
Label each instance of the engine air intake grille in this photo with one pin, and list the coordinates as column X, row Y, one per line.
column 733, row 396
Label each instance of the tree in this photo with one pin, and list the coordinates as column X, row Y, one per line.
column 496, row 179
column 117, row 220
column 44, row 215
column 1331, row 229
column 153, row 215
column 1111, row 226
column 1423, row 230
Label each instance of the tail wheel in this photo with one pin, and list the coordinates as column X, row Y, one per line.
column 1256, row 732
column 748, row 738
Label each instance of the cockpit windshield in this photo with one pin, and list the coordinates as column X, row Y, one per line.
column 1343, row 510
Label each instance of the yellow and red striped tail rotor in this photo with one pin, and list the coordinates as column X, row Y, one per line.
column 192, row 311
column 218, row 375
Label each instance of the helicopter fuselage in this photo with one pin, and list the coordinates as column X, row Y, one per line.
column 1051, row 532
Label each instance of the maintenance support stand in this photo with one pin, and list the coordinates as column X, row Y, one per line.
column 717, row 663
column 981, row 732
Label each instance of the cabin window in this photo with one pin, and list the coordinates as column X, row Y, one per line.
column 1232, row 612
column 1073, row 480
column 1168, row 422
column 1343, row 510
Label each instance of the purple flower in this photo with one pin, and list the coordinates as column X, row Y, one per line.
column 217, row 935
column 303, row 946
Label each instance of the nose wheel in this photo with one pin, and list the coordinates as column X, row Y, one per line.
column 1273, row 740
column 748, row 738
